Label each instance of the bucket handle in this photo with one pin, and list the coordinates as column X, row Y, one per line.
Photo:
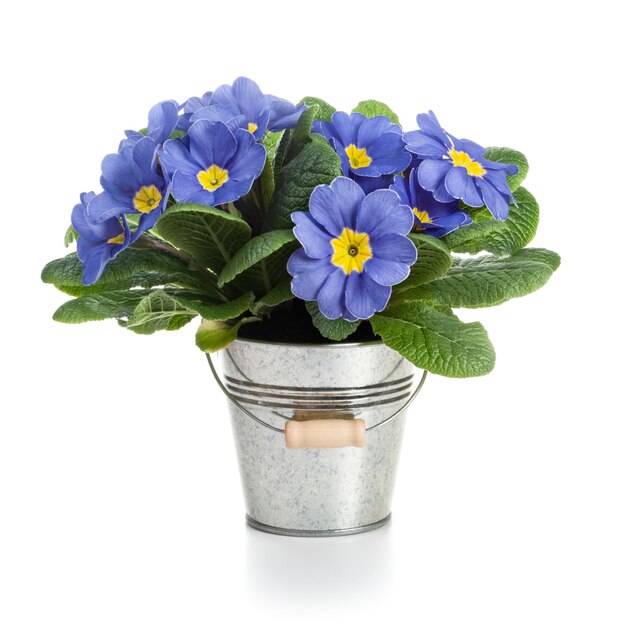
column 258, row 420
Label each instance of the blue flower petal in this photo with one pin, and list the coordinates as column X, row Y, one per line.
column 421, row 144
column 248, row 160
column 94, row 262
column 175, row 156
column 394, row 247
column 211, row 143
column 308, row 274
column 388, row 154
column 364, row 297
column 218, row 113
column 372, row 128
column 331, row 296
column 334, row 206
column 187, row 188
column 471, row 147
column 401, row 187
column 283, row 114
column 463, row 186
column 431, row 173
column 430, row 125
column 345, row 127
column 105, row 205
column 372, row 183
column 119, row 175
column 144, row 160
column 497, row 204
column 316, row 242
column 162, row 120
column 381, row 213
column 248, row 97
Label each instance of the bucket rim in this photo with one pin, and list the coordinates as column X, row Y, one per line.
column 325, row 346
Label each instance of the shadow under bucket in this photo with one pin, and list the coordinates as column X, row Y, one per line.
column 343, row 407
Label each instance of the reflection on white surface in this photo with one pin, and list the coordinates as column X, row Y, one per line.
column 291, row 568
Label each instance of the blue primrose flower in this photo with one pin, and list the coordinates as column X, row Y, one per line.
column 162, row 120
column 133, row 184
column 354, row 248
column 219, row 166
column 368, row 147
column 190, row 107
column 244, row 105
column 431, row 216
column 97, row 243
column 456, row 168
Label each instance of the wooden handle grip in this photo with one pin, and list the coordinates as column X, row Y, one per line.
column 325, row 433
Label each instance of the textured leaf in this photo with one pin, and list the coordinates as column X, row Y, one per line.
column 489, row 281
column 209, row 235
column 213, row 336
column 270, row 141
column 324, row 112
column 436, row 341
column 279, row 294
column 316, row 164
column 372, row 108
column 70, row 236
column 131, row 268
column 211, row 310
column 158, row 311
column 508, row 155
column 335, row 330
column 293, row 141
column 99, row 306
column 499, row 238
column 433, row 260
column 261, row 264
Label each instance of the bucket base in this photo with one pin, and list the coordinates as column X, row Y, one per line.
column 291, row 532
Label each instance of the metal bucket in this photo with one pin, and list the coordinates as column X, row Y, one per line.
column 341, row 489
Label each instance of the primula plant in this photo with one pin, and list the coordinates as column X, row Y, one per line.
column 299, row 223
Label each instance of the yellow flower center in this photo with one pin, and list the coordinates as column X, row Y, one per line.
column 118, row 239
column 352, row 250
column 358, row 157
column 252, row 127
column 213, row 177
column 147, row 199
column 423, row 217
column 462, row 159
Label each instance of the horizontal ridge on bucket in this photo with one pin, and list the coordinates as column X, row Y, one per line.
column 319, row 398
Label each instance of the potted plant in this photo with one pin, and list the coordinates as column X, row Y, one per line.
column 324, row 253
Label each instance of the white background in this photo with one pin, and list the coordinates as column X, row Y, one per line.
column 119, row 493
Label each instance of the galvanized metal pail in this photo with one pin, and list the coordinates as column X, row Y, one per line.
column 318, row 394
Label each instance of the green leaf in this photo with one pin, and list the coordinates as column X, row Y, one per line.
column 433, row 260
column 489, row 281
column 316, row 164
column 372, row 108
column 260, row 264
column 270, row 141
column 279, row 294
column 335, row 330
column 499, row 238
column 213, row 336
column 211, row 310
column 435, row 341
column 508, row 155
column 158, row 311
column 294, row 141
column 70, row 236
column 131, row 268
column 99, row 306
column 325, row 110
column 209, row 235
